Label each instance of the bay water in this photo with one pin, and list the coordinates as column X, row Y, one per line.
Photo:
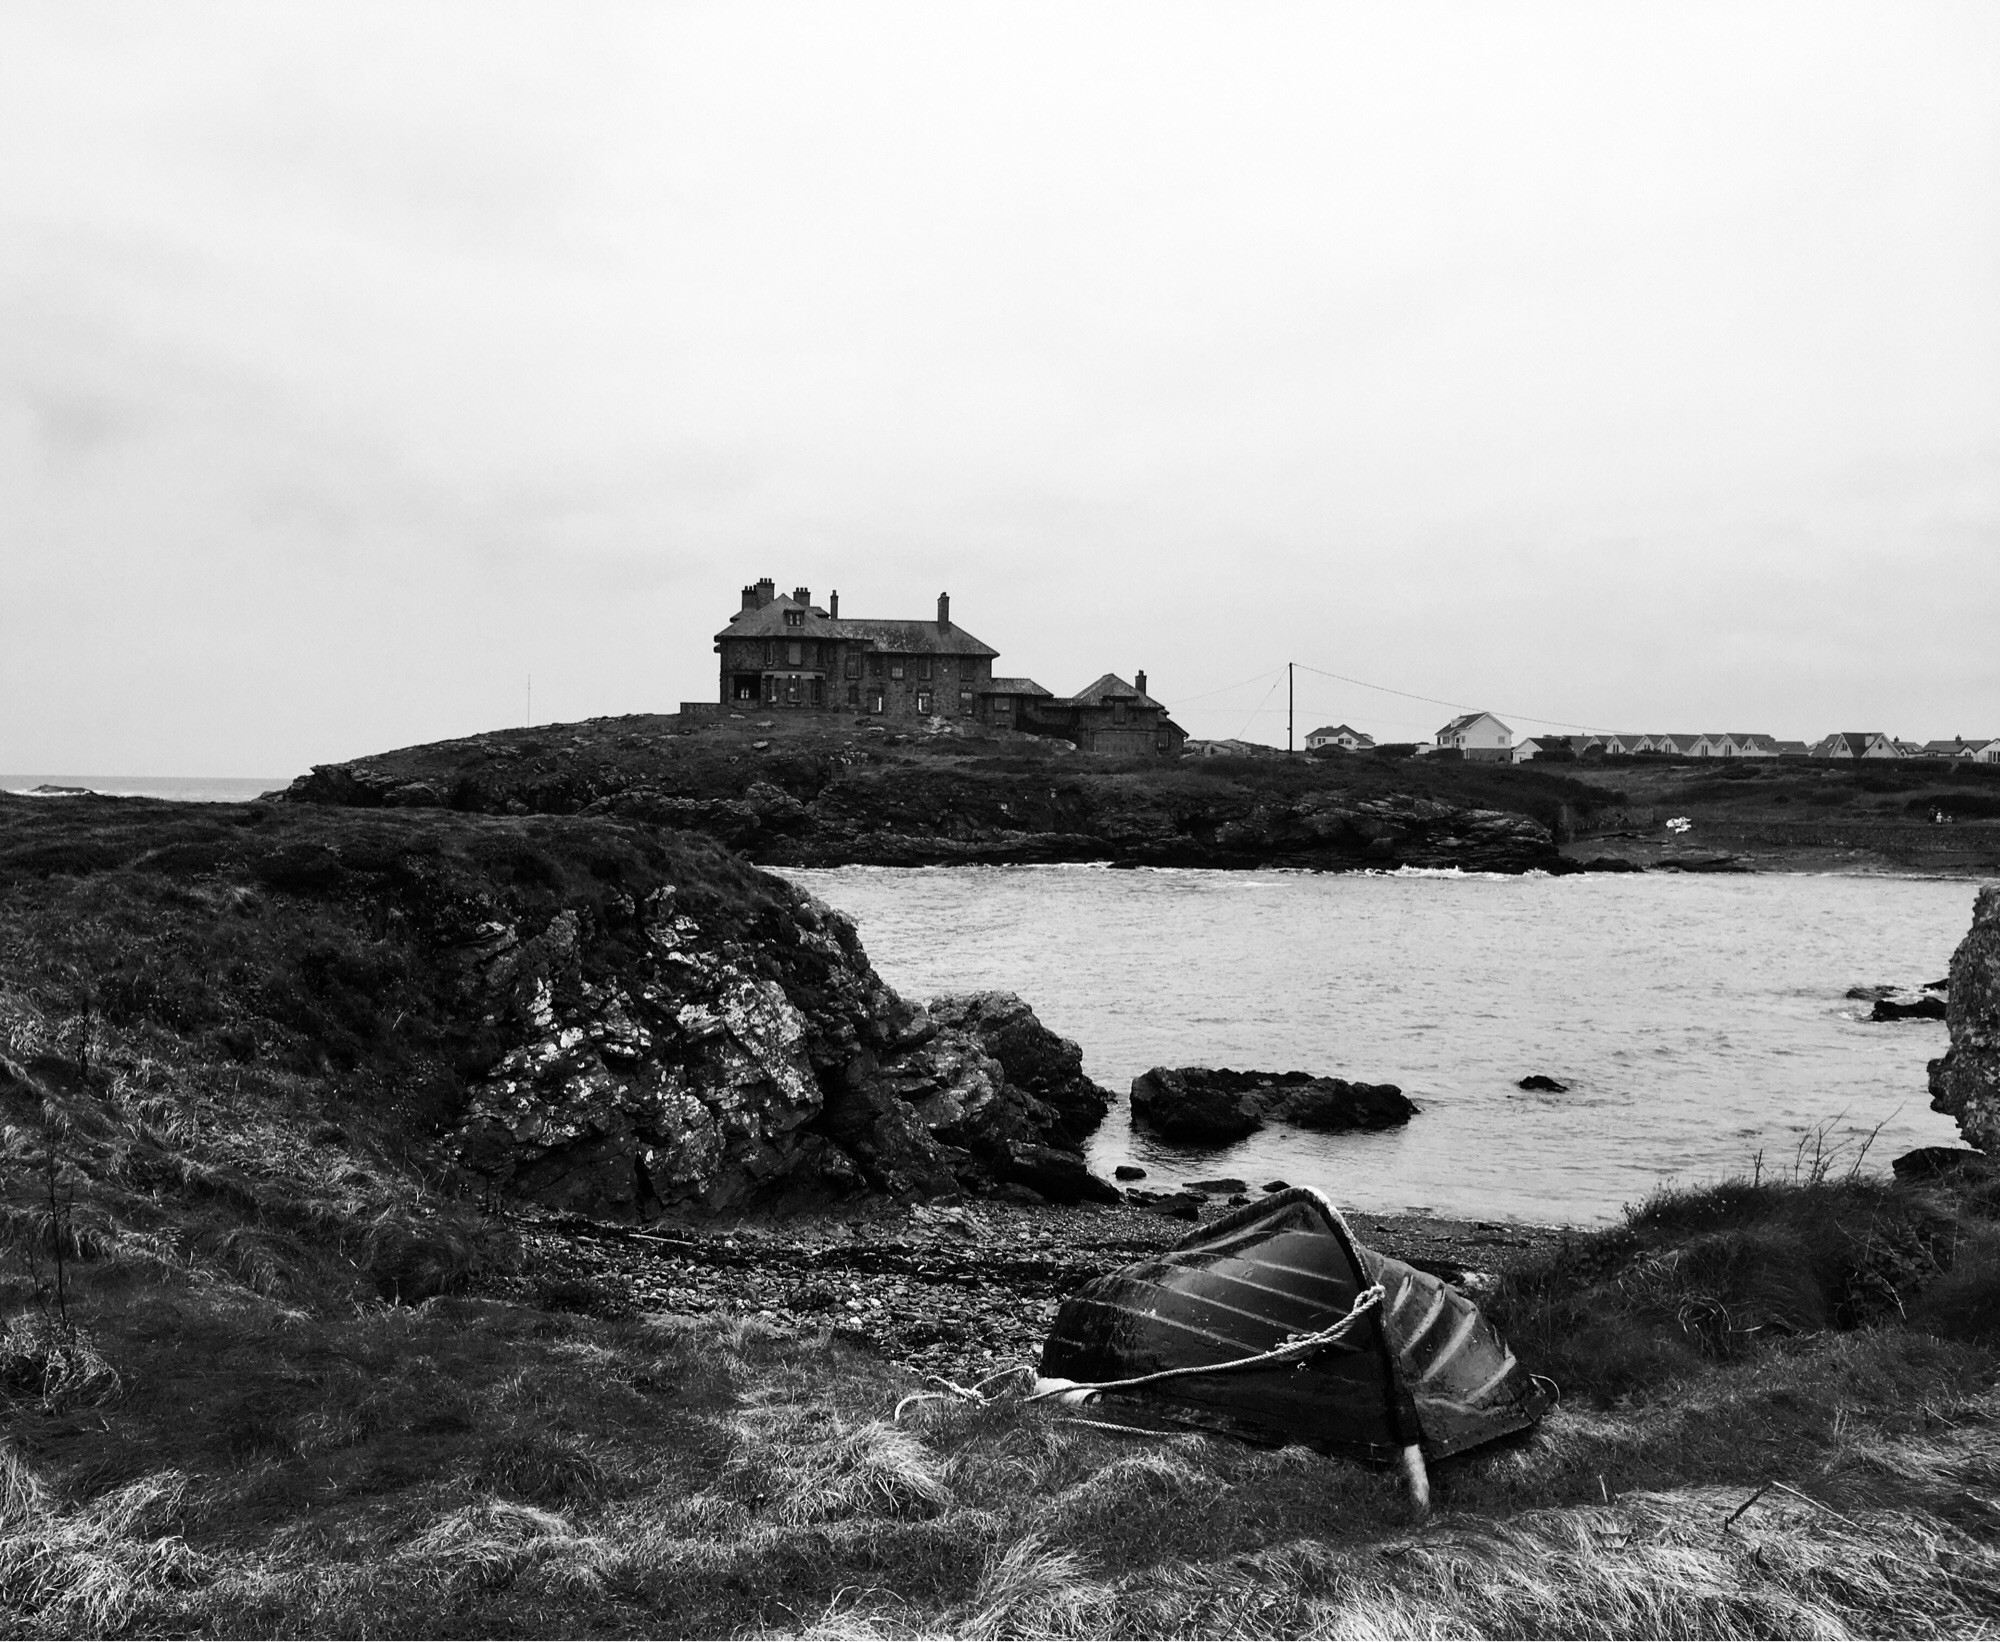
column 189, row 789
column 1699, row 1022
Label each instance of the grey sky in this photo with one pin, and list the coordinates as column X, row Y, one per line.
column 1637, row 366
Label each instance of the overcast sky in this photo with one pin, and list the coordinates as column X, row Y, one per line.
column 1636, row 366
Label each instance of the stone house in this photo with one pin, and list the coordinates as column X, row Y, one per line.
column 1009, row 703
column 1478, row 736
column 1108, row 716
column 788, row 653
column 1339, row 735
column 785, row 653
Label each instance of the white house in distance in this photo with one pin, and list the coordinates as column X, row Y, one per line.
column 1980, row 749
column 1858, row 744
column 1477, row 735
column 1339, row 735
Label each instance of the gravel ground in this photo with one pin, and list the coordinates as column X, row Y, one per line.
column 957, row 1291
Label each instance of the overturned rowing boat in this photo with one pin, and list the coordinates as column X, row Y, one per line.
column 1274, row 1324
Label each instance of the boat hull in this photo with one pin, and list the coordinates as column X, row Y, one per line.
column 1423, row 1367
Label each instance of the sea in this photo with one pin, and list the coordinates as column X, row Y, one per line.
column 1699, row 1023
column 194, row 789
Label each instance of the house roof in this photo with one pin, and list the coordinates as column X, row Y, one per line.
column 1110, row 688
column 1015, row 687
column 915, row 638
column 1464, row 719
column 1340, row 729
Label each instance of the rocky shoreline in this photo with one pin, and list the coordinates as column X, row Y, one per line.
column 837, row 794
column 958, row 1291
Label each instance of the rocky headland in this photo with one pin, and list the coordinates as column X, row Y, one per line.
column 822, row 790
column 589, row 1014
column 834, row 794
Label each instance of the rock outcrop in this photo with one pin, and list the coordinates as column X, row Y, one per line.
column 698, row 1077
column 602, row 1017
column 1965, row 1080
column 831, row 805
column 1203, row 1106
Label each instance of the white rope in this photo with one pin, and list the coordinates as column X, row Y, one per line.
column 1294, row 1348
column 1291, row 1350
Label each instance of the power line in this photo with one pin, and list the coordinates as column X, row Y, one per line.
column 1259, row 679
column 1435, row 701
column 1254, row 711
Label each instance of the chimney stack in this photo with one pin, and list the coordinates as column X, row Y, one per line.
column 944, row 612
column 767, row 590
column 1139, row 678
column 749, row 598
column 833, row 604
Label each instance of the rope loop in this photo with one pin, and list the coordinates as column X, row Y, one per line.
column 1293, row 1348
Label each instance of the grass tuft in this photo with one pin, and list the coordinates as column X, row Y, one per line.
column 1032, row 1588
column 92, row 1571
column 57, row 1364
column 495, row 1543
column 804, row 1463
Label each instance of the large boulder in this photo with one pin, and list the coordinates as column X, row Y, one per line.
column 1965, row 1080
column 1039, row 1062
column 1207, row 1106
column 1193, row 1106
column 676, row 1070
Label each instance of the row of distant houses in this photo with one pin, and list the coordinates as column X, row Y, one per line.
column 1482, row 736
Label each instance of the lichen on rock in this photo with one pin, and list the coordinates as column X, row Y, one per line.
column 1965, row 1080
column 703, row 1072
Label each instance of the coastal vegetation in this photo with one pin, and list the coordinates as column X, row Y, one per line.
column 811, row 790
column 273, row 1366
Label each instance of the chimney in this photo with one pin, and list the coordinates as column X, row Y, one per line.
column 944, row 612
column 749, row 598
column 833, row 604
column 767, row 590
column 1139, row 678
column 802, row 595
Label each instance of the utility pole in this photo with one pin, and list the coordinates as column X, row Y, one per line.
column 531, row 699
column 1288, row 706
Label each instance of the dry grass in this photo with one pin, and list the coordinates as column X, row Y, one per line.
column 254, row 1386
column 477, row 1467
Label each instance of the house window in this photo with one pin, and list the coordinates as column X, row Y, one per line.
column 854, row 695
column 1118, row 712
column 792, row 688
column 795, row 618
column 895, row 669
column 854, row 669
column 795, row 655
column 874, row 666
column 875, row 698
column 819, row 692
column 923, row 667
column 965, row 702
column 923, row 701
